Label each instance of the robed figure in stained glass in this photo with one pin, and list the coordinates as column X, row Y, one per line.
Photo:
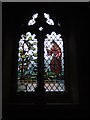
column 55, row 63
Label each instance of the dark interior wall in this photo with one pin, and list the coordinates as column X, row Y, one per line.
column 77, row 44
column 7, row 60
column 10, row 30
column 82, row 55
column 74, row 20
column 73, row 65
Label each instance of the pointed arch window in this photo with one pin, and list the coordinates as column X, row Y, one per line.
column 54, row 63
column 27, row 62
column 41, row 58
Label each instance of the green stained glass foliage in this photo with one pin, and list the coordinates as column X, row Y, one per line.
column 54, row 63
column 27, row 63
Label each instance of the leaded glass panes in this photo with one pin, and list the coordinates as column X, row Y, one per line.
column 27, row 63
column 54, row 63
column 48, row 21
column 32, row 21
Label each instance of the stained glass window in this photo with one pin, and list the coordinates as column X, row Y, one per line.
column 53, row 59
column 27, row 63
column 54, row 63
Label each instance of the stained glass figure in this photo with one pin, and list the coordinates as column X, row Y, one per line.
column 27, row 63
column 54, row 63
